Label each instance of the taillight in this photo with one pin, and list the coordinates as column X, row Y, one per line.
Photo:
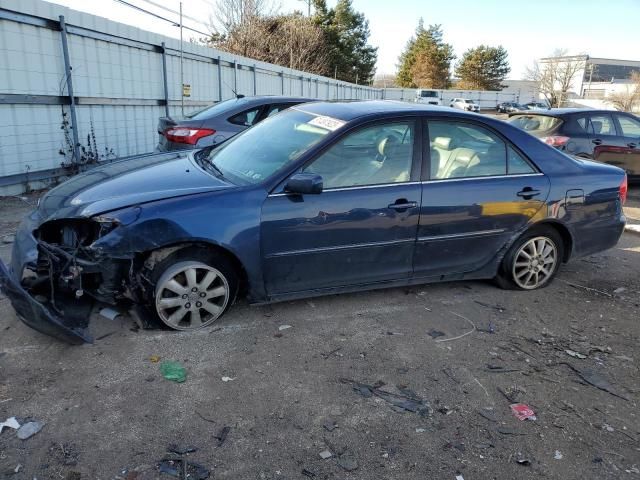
column 555, row 140
column 624, row 188
column 187, row 135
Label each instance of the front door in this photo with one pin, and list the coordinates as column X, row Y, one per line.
column 480, row 192
column 609, row 144
column 361, row 229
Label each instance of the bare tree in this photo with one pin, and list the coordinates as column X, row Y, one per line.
column 628, row 100
column 556, row 75
column 237, row 18
column 292, row 41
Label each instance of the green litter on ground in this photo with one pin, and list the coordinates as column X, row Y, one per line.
column 173, row 371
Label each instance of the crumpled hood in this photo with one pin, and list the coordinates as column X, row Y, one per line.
column 128, row 182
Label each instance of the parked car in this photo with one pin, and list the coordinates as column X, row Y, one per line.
column 464, row 104
column 322, row 198
column 219, row 122
column 603, row 135
column 536, row 106
column 509, row 107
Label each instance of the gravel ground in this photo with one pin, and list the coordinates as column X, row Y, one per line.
column 346, row 360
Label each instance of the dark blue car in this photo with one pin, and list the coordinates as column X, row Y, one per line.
column 322, row 198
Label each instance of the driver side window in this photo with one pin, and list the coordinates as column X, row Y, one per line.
column 374, row 155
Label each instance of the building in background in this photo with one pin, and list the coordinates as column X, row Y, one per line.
column 595, row 79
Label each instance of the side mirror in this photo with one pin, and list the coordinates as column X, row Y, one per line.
column 304, row 183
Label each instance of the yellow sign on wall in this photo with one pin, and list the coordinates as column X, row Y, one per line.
column 186, row 90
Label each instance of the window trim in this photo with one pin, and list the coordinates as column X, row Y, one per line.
column 416, row 160
column 426, row 154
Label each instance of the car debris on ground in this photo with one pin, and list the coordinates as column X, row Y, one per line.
column 29, row 429
column 402, row 399
column 10, row 423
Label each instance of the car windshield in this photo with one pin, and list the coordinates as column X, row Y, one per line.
column 535, row 123
column 262, row 150
column 468, row 101
column 216, row 109
column 429, row 94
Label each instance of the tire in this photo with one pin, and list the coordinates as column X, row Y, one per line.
column 192, row 288
column 516, row 272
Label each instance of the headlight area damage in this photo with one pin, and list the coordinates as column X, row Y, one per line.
column 55, row 292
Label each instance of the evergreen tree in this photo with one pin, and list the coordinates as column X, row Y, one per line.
column 426, row 60
column 346, row 34
column 483, row 68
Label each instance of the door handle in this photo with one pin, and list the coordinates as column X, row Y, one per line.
column 597, row 141
column 528, row 193
column 632, row 145
column 403, row 204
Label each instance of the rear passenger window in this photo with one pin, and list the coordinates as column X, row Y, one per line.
column 575, row 125
column 246, row 118
column 462, row 150
column 516, row 164
column 602, row 125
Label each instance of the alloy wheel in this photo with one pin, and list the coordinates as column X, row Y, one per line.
column 191, row 295
column 534, row 263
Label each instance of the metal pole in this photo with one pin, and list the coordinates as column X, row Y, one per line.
column 164, row 80
column 235, row 77
column 219, row 78
column 181, row 67
column 67, row 69
column 282, row 81
column 302, row 86
column 255, row 80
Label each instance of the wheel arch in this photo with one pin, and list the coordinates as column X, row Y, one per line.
column 150, row 258
column 563, row 231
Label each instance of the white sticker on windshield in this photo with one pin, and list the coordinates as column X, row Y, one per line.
column 328, row 123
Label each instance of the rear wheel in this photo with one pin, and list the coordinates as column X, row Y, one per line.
column 533, row 261
column 193, row 289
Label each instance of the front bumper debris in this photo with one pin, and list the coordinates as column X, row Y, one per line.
column 42, row 318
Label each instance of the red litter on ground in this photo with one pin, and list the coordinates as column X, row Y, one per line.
column 523, row 412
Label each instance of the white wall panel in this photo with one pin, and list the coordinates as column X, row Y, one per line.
column 119, row 84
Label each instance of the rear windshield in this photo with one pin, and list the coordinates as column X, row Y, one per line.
column 429, row 93
column 217, row 109
column 535, row 123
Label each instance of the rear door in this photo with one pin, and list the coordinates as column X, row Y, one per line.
column 478, row 191
column 629, row 128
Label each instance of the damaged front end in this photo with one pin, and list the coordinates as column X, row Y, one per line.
column 57, row 273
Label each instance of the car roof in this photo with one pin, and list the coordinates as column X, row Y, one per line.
column 563, row 112
column 350, row 110
column 272, row 98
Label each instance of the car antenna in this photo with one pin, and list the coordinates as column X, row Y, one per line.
column 236, row 94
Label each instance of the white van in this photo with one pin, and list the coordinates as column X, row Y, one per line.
column 430, row 97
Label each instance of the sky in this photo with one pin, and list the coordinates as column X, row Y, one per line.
column 528, row 29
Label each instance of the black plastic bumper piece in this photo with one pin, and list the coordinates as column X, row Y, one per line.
column 38, row 316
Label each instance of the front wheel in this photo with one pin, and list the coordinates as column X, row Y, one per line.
column 193, row 289
column 532, row 261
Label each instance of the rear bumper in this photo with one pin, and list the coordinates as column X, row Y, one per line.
column 33, row 313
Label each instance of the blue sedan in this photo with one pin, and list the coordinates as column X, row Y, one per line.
column 322, row 198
